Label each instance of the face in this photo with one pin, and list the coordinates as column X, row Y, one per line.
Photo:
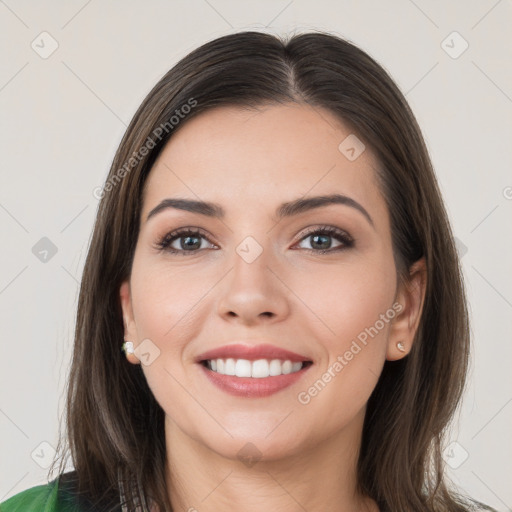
column 318, row 281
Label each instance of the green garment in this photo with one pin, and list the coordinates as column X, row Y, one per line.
column 59, row 495
column 42, row 498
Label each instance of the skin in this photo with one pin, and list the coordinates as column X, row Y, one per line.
column 250, row 162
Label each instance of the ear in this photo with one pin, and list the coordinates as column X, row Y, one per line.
column 130, row 330
column 409, row 299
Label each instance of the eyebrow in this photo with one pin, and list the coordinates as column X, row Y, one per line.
column 289, row 209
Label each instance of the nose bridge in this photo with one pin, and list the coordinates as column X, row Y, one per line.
column 250, row 264
column 252, row 290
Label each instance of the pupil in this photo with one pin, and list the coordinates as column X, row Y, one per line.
column 324, row 238
column 188, row 244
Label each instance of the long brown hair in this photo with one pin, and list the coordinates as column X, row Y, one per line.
column 116, row 427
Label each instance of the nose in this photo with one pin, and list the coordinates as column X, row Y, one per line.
column 252, row 293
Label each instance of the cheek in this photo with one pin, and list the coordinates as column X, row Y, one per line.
column 165, row 306
column 350, row 336
column 165, row 300
column 355, row 306
column 346, row 299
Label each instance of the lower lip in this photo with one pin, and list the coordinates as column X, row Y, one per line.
column 249, row 387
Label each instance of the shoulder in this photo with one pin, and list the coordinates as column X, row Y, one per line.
column 59, row 495
column 41, row 498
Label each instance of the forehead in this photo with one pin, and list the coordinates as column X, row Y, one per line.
column 245, row 159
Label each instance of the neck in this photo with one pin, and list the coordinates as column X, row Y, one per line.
column 317, row 478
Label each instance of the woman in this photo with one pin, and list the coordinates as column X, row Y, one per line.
column 272, row 251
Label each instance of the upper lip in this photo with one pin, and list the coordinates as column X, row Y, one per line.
column 251, row 353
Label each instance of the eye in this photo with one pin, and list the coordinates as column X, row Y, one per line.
column 189, row 241
column 320, row 239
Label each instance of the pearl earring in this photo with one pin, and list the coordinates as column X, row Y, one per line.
column 127, row 347
column 400, row 346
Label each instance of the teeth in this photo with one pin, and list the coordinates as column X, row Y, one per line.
column 275, row 367
column 258, row 369
column 243, row 368
column 229, row 367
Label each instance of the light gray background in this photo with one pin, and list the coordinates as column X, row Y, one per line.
column 63, row 116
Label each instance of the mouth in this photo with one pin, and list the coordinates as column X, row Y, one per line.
column 253, row 371
column 258, row 369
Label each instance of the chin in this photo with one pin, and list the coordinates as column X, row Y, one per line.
column 253, row 448
column 269, row 436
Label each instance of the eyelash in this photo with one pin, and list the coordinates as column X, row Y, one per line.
column 164, row 243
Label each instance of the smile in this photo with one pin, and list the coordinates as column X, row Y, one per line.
column 259, row 369
column 252, row 371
